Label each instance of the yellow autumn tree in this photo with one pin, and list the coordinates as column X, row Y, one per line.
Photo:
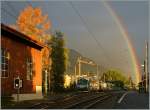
column 33, row 23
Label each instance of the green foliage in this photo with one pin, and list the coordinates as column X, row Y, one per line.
column 115, row 76
column 59, row 60
column 118, row 83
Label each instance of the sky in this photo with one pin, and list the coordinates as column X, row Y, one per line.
column 91, row 30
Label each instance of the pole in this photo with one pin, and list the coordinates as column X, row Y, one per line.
column 146, row 67
column 104, row 77
column 18, row 95
column 45, row 82
column 75, row 71
column 97, row 70
column 49, row 78
column 97, row 76
column 79, row 68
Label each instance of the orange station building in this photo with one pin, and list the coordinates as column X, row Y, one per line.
column 20, row 57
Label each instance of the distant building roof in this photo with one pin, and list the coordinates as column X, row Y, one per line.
column 16, row 35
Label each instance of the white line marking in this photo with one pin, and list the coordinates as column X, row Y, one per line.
column 119, row 101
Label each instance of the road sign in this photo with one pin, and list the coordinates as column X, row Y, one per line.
column 16, row 83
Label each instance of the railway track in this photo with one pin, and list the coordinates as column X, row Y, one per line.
column 71, row 100
column 81, row 100
column 56, row 102
column 40, row 106
column 89, row 102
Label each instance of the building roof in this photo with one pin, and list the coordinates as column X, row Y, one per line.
column 16, row 35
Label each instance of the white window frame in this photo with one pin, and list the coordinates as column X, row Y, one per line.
column 30, row 68
column 4, row 56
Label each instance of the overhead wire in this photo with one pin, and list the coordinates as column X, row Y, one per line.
column 28, row 2
column 91, row 34
column 80, row 16
column 12, row 8
column 9, row 13
column 58, row 19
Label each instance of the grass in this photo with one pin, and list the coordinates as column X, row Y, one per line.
column 7, row 101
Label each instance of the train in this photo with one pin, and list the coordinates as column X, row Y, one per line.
column 83, row 84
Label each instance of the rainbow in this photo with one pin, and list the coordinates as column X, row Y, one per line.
column 126, row 35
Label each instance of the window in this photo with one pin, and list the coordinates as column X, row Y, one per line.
column 30, row 68
column 5, row 63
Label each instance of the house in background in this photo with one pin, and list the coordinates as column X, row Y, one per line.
column 20, row 57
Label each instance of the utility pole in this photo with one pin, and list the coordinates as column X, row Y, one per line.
column 97, row 75
column 97, row 70
column 146, row 67
column 77, row 67
column 104, row 79
column 75, row 75
column 79, row 60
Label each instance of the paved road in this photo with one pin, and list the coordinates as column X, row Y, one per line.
column 134, row 100
column 109, row 103
column 130, row 100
